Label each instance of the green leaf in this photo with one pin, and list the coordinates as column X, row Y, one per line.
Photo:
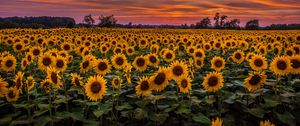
column 124, row 106
column 99, row 112
column 270, row 103
column 5, row 120
column 160, row 117
column 287, row 118
column 257, row 112
column 200, row 118
column 140, row 113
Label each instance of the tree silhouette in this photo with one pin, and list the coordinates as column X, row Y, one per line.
column 88, row 19
column 204, row 23
column 222, row 22
column 252, row 24
column 107, row 21
column 217, row 18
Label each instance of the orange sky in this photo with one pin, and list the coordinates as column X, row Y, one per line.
column 158, row 11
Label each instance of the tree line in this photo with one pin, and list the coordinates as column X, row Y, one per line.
column 37, row 22
column 219, row 22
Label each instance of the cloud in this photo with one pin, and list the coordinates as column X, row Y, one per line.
column 158, row 11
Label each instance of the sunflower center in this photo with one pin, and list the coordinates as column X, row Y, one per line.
column 199, row 62
column 160, row 78
column 54, row 77
column 178, row 70
column 213, row 81
column 281, row 65
column 191, row 50
column 289, row 53
column 67, row 47
column 9, row 63
column 60, row 63
column 29, row 58
column 95, row 87
column 140, row 62
column 207, row 47
column 11, row 94
column 77, row 82
column 18, row 83
column 119, row 61
column 18, row 47
column 46, row 61
column 295, row 63
column 184, row 83
column 85, row 64
column 36, row 52
column 218, row 63
column 143, row 42
column 130, row 50
column 169, row 56
column 144, row 86
column 255, row 80
column 258, row 62
column 102, row 66
column 218, row 45
column 199, row 54
column 104, row 49
column 118, row 50
column 152, row 59
column 238, row 56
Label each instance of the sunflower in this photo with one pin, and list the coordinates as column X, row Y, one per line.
column 199, row 54
column 12, row 94
column 199, row 63
column 184, row 84
column 8, row 63
column 102, row 66
column 66, row 46
column 258, row 63
column 207, row 47
column 295, row 64
column 36, row 51
column 213, row 81
column 255, row 81
column 24, row 63
column 266, row 123
column 3, row 88
column 45, row 61
column 140, row 63
column 159, row 81
column 116, row 82
column 280, row 65
column 18, row 81
column 95, row 88
column 144, row 87
column 155, row 48
column 153, row 59
column 52, row 74
column 18, row 47
column 238, row 56
column 127, row 71
column 76, row 79
column 178, row 69
column 46, row 85
column 117, row 50
column 86, row 64
column 217, row 122
column 169, row 55
column 143, row 43
column 129, row 50
column 191, row 50
column 30, row 83
column 249, row 56
column 217, row 63
column 60, row 63
column 119, row 61
column 104, row 49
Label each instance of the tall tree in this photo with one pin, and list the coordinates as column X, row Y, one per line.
column 223, row 19
column 88, row 19
column 204, row 23
column 232, row 24
column 217, row 19
column 107, row 21
column 252, row 24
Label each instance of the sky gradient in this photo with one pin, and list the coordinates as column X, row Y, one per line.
column 158, row 11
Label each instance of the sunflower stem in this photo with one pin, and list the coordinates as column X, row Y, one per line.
column 50, row 106
column 28, row 102
column 65, row 91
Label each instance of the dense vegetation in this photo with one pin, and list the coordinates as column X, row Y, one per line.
column 150, row 77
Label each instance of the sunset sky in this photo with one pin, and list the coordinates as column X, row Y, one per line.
column 158, row 11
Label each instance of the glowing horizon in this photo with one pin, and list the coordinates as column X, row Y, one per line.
column 172, row 12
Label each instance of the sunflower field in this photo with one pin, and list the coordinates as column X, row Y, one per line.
column 152, row 77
